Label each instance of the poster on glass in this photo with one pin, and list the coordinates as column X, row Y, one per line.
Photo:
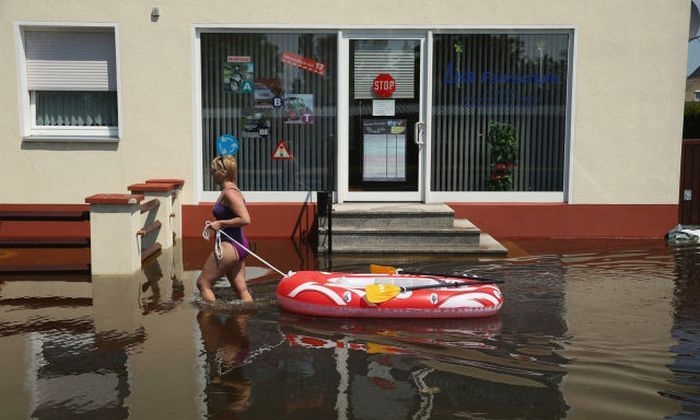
column 384, row 150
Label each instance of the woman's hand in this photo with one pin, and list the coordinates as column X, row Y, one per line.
column 215, row 225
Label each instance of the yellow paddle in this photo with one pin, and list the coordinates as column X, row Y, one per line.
column 386, row 269
column 378, row 293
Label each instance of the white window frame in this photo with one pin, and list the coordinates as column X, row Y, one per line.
column 32, row 132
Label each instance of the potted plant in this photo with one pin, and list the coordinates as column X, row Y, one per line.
column 503, row 145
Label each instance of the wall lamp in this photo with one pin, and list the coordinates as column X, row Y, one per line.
column 155, row 14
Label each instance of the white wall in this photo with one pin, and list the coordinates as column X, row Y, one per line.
column 629, row 81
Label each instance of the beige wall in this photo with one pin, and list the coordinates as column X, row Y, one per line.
column 628, row 94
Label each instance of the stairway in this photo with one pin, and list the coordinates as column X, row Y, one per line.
column 38, row 239
column 403, row 228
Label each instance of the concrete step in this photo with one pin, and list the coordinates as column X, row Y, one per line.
column 391, row 215
column 403, row 229
column 407, row 237
column 45, row 269
column 44, row 242
column 463, row 239
column 486, row 246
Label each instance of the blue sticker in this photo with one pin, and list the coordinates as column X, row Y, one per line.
column 227, row 144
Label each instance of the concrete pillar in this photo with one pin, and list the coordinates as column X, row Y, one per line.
column 176, row 215
column 164, row 194
column 115, row 247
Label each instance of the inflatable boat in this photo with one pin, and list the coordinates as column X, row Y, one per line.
column 338, row 294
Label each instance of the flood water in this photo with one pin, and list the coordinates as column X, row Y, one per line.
column 589, row 330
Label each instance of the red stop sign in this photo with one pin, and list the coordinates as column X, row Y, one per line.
column 384, row 85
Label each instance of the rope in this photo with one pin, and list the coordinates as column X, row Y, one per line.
column 217, row 246
column 217, row 241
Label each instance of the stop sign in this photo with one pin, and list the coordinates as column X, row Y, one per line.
column 384, row 85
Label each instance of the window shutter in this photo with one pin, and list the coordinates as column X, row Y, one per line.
column 370, row 63
column 70, row 60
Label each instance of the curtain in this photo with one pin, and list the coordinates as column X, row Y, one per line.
column 82, row 109
column 517, row 79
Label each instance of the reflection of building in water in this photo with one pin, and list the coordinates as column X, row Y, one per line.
column 686, row 330
column 72, row 368
column 402, row 369
column 377, row 387
column 617, row 310
column 85, row 372
column 295, row 380
column 163, row 288
column 89, row 348
column 78, row 375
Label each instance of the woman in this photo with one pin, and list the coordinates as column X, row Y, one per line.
column 231, row 215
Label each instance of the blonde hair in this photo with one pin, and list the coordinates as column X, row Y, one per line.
column 226, row 165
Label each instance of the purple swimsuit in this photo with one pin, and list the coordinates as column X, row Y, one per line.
column 222, row 212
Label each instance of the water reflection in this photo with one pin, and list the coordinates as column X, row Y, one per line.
column 227, row 345
column 611, row 330
column 686, row 330
column 418, row 366
column 77, row 375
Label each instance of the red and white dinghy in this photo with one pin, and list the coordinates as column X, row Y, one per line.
column 320, row 293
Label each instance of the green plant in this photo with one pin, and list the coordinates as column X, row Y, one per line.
column 692, row 109
column 503, row 145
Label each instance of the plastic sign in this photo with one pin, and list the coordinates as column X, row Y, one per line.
column 384, row 85
column 281, row 151
column 304, row 63
column 227, row 144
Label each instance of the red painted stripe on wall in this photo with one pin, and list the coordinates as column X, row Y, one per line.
column 501, row 220
column 268, row 220
column 537, row 220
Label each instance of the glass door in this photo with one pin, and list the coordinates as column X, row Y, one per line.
column 385, row 129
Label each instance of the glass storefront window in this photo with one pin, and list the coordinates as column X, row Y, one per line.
column 277, row 94
column 519, row 81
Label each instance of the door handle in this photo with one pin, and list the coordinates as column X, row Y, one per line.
column 419, row 133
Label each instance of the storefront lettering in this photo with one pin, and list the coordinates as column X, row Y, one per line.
column 497, row 86
column 456, row 77
column 499, row 99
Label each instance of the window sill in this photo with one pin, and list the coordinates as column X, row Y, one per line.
column 70, row 139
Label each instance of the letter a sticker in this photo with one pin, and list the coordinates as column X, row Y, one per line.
column 281, row 151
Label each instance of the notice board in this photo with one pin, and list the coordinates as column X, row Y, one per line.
column 384, row 150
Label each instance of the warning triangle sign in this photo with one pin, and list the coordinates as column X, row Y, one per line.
column 281, row 151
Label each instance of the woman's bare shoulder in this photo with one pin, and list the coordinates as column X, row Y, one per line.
column 233, row 195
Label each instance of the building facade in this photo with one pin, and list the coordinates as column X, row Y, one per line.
column 390, row 101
